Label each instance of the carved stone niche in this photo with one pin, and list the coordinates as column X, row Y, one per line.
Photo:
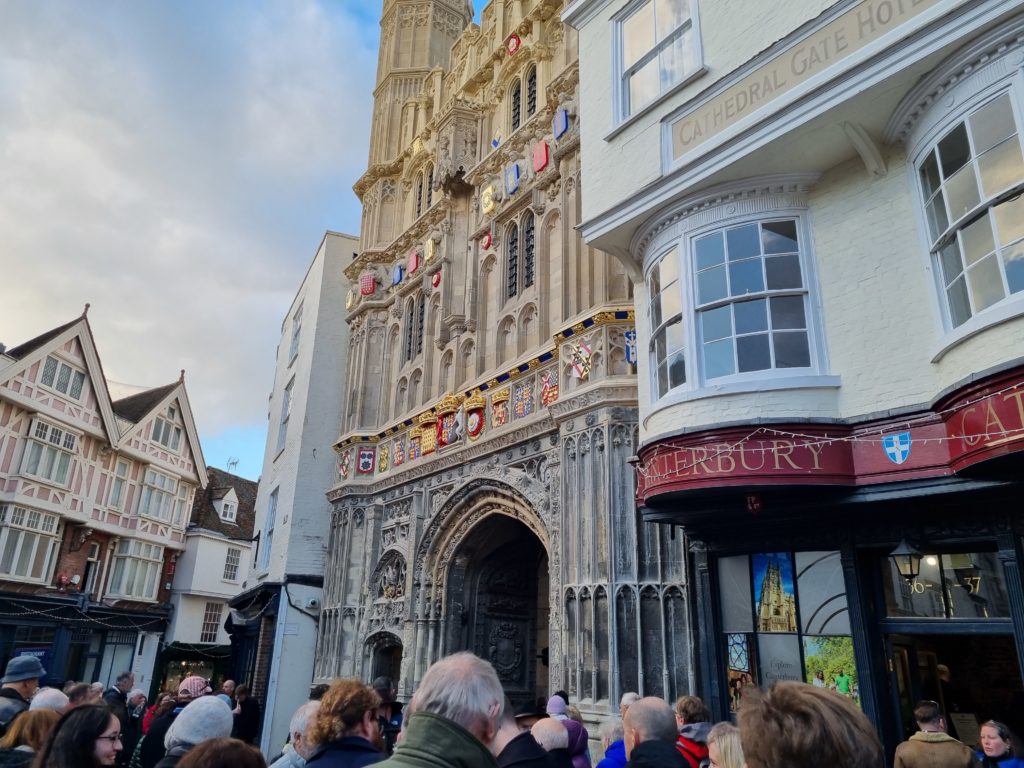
column 456, row 148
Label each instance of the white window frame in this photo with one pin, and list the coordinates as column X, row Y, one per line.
column 624, row 110
column 286, row 411
column 697, row 383
column 293, row 349
column 28, row 537
column 228, row 511
column 943, row 120
column 136, row 570
column 267, row 539
column 210, row 628
column 50, row 452
column 118, row 485
column 167, row 429
column 160, row 498
column 232, row 563
column 71, row 385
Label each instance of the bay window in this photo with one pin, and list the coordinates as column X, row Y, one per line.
column 163, row 497
column 49, row 452
column 971, row 183
column 136, row 570
column 28, row 543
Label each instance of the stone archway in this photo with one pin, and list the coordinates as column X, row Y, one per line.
column 383, row 656
column 496, row 604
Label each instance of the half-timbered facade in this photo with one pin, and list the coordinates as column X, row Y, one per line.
column 483, row 495
column 94, row 499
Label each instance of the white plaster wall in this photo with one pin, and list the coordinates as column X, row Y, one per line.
column 304, row 469
column 731, row 34
column 291, row 671
column 187, row 624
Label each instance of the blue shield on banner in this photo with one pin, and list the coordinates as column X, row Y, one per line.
column 631, row 347
column 897, row 447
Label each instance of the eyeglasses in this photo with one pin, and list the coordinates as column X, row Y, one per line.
column 112, row 738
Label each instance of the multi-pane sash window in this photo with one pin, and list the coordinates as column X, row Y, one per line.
column 228, row 511
column 972, row 181
column 181, row 503
column 28, row 542
column 166, row 431
column 286, row 412
column 296, row 333
column 211, row 622
column 49, row 453
column 668, row 358
column 751, row 299
column 136, row 571
column 62, row 377
column 118, row 485
column 267, row 539
column 658, row 49
column 231, row 562
column 159, row 496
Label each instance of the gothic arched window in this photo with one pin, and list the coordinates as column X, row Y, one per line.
column 429, row 189
column 420, row 314
column 419, row 195
column 515, row 100
column 410, row 320
column 529, row 252
column 512, row 261
column 531, row 91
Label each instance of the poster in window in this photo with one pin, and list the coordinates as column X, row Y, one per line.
column 779, row 657
column 773, row 588
column 741, row 672
column 829, row 663
column 821, row 587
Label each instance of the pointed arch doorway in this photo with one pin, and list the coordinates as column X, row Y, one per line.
column 497, row 604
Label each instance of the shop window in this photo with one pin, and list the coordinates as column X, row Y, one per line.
column 785, row 617
column 971, row 181
column 965, row 585
column 658, row 49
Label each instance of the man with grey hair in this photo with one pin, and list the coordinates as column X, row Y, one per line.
column 49, row 698
column 552, row 734
column 298, row 750
column 612, row 743
column 627, row 698
column 649, row 730
column 453, row 717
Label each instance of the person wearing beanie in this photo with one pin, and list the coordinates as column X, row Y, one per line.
column 556, row 708
column 20, row 682
column 205, row 718
column 151, row 748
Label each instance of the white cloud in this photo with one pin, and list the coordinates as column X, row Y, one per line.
column 174, row 165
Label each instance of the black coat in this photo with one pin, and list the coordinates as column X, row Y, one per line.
column 347, row 752
column 247, row 721
column 656, row 754
column 152, row 750
column 524, row 752
column 11, row 705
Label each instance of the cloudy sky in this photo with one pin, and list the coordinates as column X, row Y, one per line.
column 175, row 164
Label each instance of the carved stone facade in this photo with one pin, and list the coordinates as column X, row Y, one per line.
column 484, row 495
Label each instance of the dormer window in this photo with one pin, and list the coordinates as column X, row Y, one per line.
column 166, row 430
column 228, row 512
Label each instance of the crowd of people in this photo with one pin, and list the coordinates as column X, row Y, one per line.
column 459, row 717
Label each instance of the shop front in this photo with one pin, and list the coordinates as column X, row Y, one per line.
column 793, row 529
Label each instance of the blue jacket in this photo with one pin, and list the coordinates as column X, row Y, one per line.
column 614, row 756
column 1005, row 762
column 347, row 752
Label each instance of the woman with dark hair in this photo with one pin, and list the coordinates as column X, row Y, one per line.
column 996, row 747
column 223, row 753
column 88, row 736
column 346, row 732
column 25, row 737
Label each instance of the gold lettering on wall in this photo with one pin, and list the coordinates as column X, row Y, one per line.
column 840, row 38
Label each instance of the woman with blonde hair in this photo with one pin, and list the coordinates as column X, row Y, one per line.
column 26, row 736
column 724, row 748
column 346, row 732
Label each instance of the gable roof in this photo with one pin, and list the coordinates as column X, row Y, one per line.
column 24, row 355
column 204, row 514
column 30, row 346
column 135, row 407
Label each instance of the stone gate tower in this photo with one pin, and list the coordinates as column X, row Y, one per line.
column 484, row 498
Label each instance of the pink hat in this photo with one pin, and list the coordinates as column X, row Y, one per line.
column 194, row 687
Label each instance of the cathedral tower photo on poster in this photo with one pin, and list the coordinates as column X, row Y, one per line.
column 484, row 498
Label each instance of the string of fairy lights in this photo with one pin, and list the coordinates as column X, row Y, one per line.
column 876, row 436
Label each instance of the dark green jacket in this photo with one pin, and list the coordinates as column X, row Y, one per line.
column 431, row 741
